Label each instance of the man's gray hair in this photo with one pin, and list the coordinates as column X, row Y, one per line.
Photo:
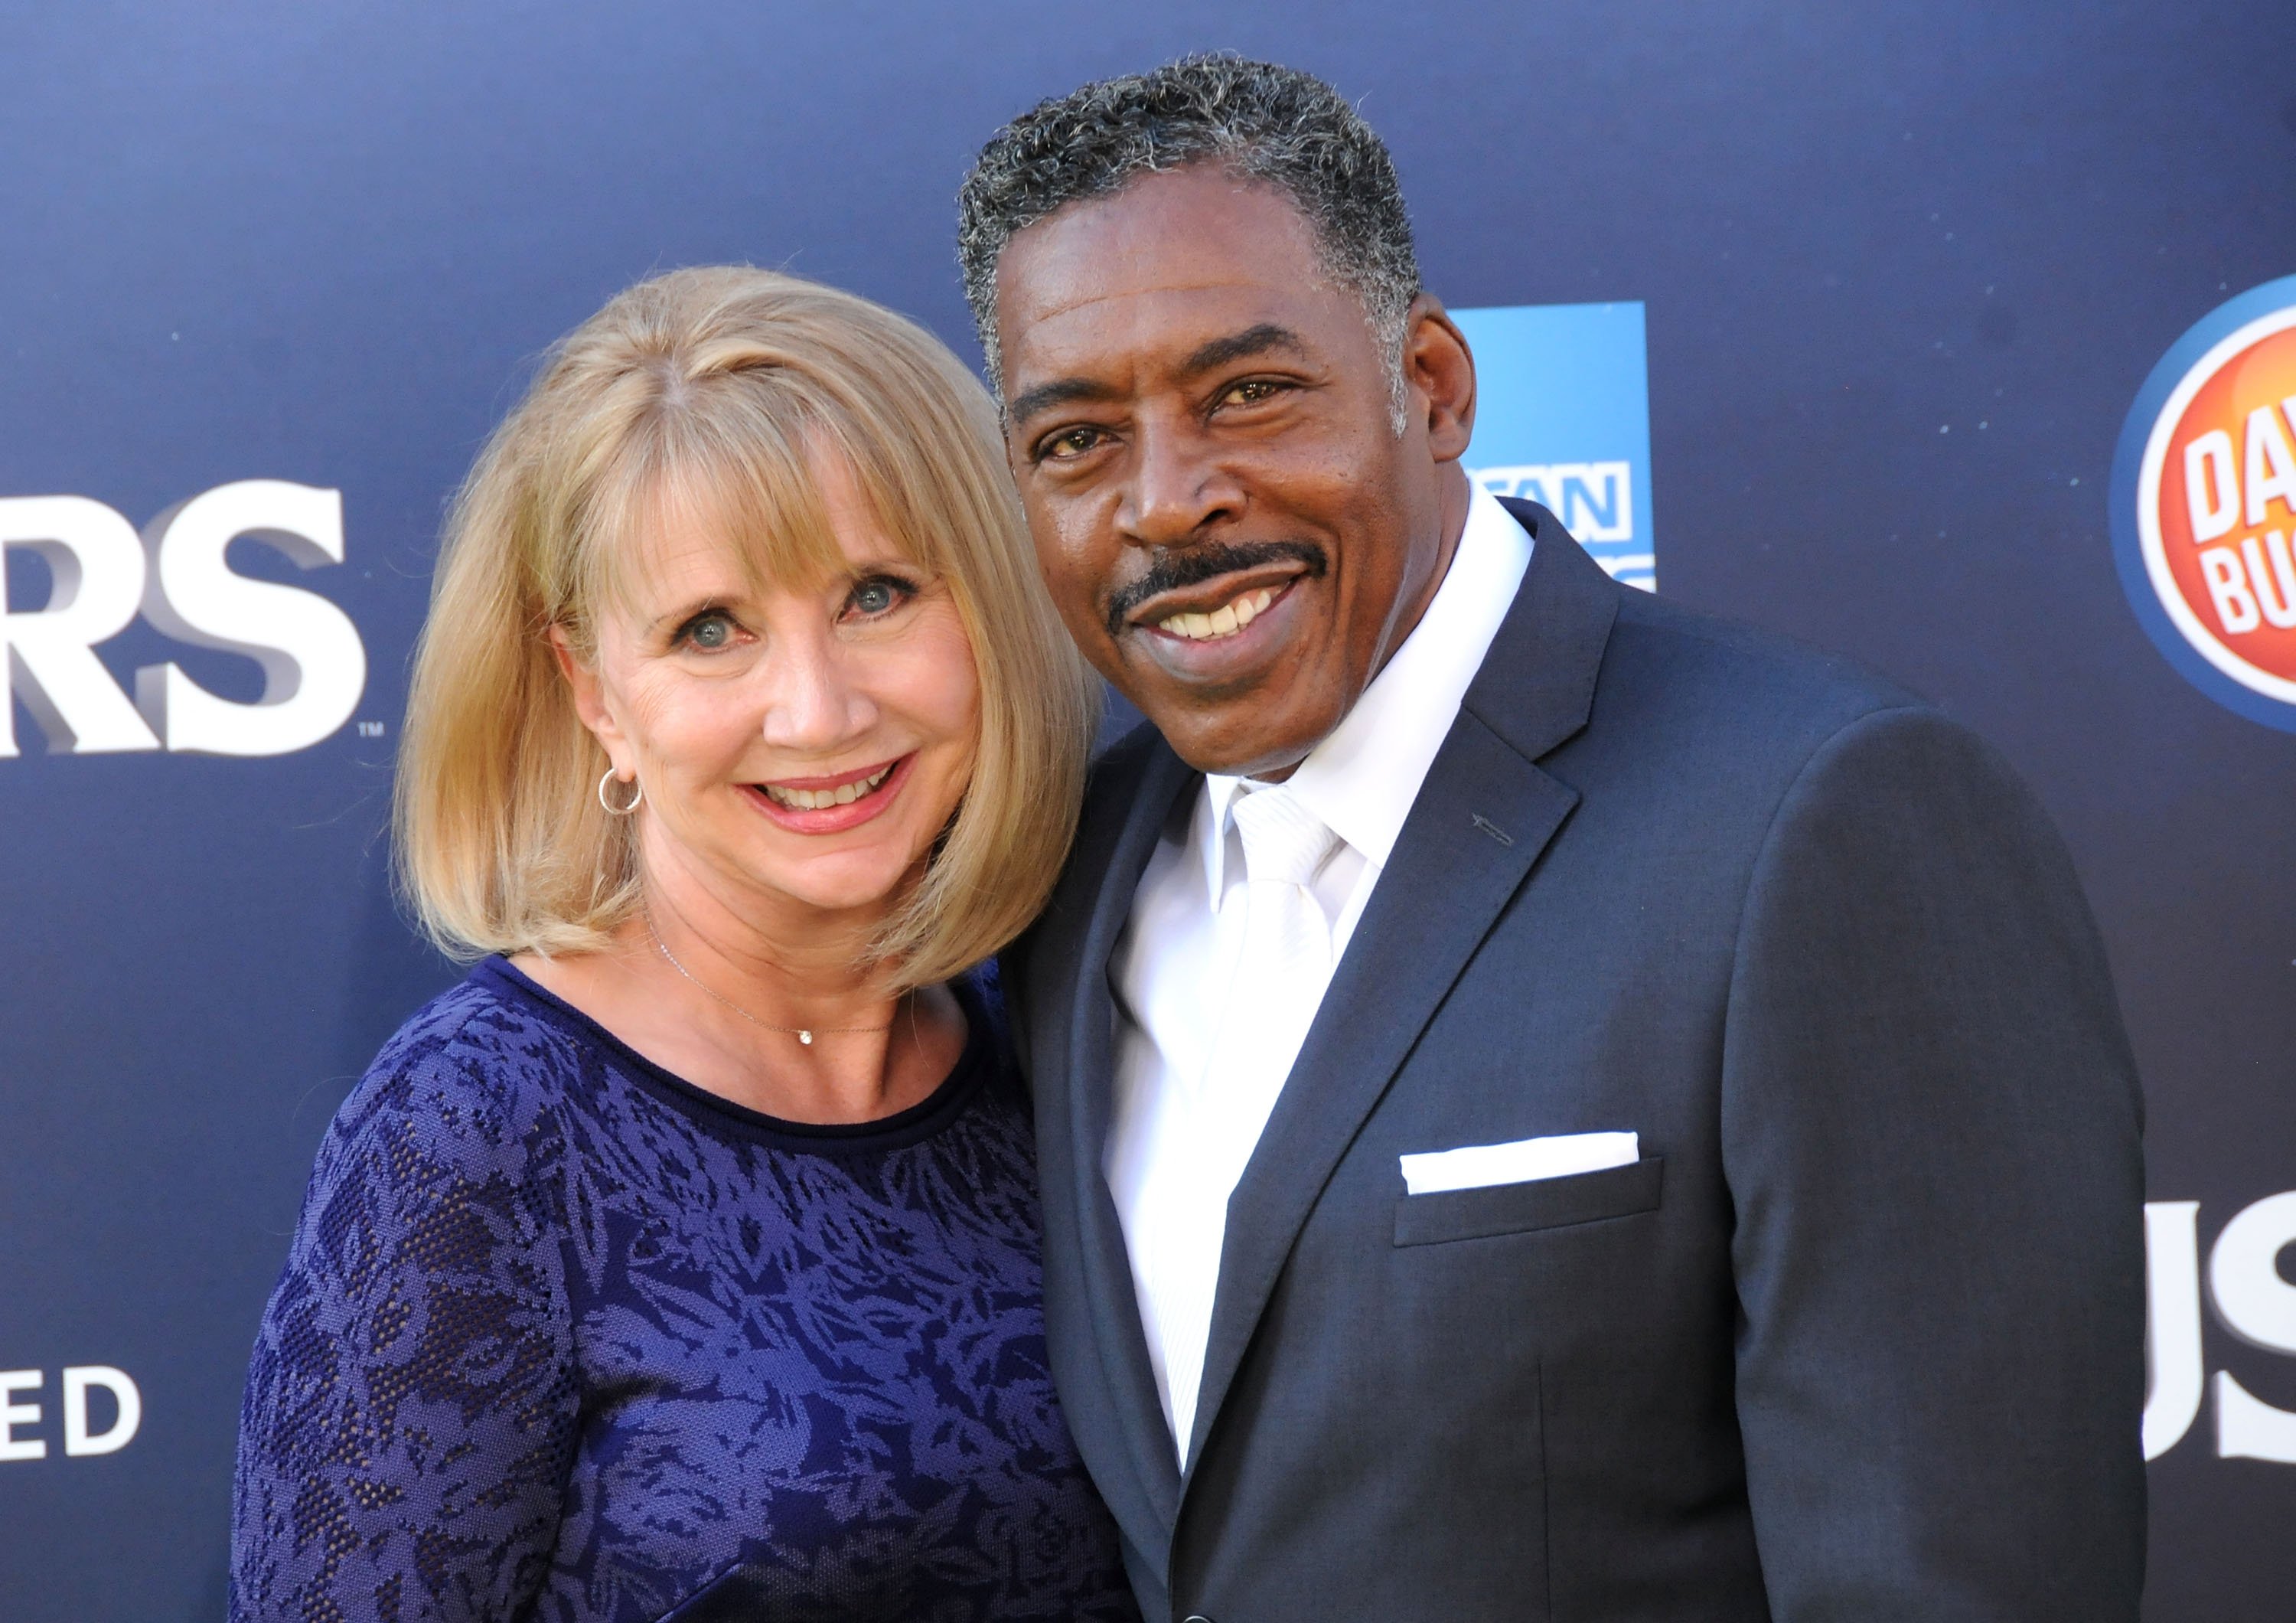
column 1257, row 120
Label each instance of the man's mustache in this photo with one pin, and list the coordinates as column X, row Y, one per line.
column 1170, row 571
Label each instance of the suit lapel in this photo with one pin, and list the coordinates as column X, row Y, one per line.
column 1106, row 1266
column 1477, row 827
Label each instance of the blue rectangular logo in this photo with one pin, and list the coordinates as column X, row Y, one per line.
column 1562, row 419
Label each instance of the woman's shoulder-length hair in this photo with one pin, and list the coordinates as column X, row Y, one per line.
column 719, row 384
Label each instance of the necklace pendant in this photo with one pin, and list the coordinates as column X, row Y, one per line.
column 806, row 1037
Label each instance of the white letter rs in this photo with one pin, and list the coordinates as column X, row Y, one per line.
column 314, row 666
column 47, row 657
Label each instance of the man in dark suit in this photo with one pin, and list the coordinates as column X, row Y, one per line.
column 1550, row 1105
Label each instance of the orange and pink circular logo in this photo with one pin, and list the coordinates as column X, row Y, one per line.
column 2209, row 503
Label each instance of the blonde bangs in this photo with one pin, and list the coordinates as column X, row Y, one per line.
column 759, row 501
column 701, row 399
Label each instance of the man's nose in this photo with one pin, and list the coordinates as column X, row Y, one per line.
column 812, row 703
column 1178, row 488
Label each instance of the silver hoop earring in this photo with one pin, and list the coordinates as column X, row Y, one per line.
column 612, row 809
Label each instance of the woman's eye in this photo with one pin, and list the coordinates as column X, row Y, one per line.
column 878, row 596
column 710, row 632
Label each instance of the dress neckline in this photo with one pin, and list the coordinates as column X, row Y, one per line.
column 714, row 1112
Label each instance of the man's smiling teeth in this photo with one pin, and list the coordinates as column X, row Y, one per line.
column 814, row 800
column 1225, row 620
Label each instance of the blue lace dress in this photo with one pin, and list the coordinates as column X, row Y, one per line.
column 562, row 1337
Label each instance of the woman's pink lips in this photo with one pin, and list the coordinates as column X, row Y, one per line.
column 858, row 775
column 832, row 820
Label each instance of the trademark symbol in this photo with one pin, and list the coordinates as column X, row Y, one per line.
column 370, row 729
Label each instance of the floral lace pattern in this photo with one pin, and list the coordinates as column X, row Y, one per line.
column 562, row 1338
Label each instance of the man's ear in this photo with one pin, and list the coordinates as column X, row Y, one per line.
column 589, row 697
column 1437, row 365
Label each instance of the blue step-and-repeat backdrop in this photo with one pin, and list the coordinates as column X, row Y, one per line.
column 1959, row 335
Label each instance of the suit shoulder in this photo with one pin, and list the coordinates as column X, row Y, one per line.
column 1119, row 776
column 1703, row 670
column 1656, row 627
column 1117, row 770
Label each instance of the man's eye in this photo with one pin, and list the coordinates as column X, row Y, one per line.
column 1068, row 443
column 1252, row 391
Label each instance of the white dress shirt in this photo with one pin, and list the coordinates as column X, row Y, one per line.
column 1185, row 1123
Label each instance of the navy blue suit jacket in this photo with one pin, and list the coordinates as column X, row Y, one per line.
column 1860, row 1337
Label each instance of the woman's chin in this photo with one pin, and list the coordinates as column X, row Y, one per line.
column 848, row 882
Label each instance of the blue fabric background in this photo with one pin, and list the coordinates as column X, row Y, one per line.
column 245, row 238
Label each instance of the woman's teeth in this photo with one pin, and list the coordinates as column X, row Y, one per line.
column 1225, row 620
column 814, row 800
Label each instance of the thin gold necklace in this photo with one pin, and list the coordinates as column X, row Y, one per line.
column 803, row 1034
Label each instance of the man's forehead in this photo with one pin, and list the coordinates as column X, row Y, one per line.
column 1164, row 265
column 1158, row 328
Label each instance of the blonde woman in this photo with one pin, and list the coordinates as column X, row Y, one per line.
column 681, row 1263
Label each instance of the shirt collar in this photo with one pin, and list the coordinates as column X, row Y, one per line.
column 1362, row 779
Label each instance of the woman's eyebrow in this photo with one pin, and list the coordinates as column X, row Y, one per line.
column 679, row 614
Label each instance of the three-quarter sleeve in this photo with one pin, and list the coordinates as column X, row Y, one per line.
column 411, row 1406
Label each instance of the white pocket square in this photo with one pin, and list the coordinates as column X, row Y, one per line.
column 1481, row 1166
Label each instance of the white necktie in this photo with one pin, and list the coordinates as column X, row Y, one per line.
column 1280, row 976
column 1285, row 931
